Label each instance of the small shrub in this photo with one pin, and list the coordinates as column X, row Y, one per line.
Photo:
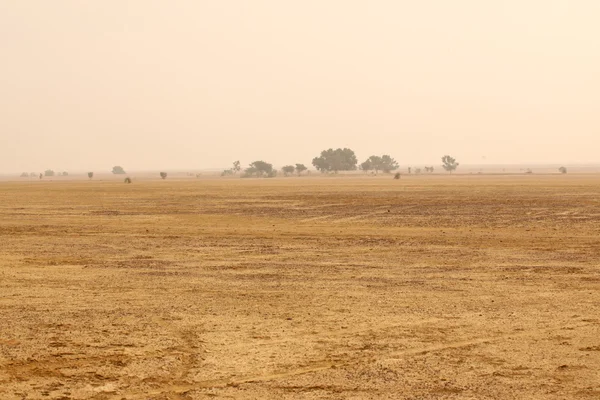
column 90, row 175
column 163, row 175
column 127, row 180
column 397, row 175
column 562, row 170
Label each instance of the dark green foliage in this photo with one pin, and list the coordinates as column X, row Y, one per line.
column 335, row 160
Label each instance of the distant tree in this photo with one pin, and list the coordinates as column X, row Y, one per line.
column 25, row 175
column 417, row 171
column 163, row 175
column 90, row 175
column 384, row 163
column 449, row 163
column 41, row 176
column 260, row 169
column 388, row 164
column 409, row 170
column 335, row 160
column 300, row 168
column 397, row 175
column 288, row 169
column 33, row 174
column 48, row 172
column 118, row 170
column 227, row 172
column 65, row 173
column 428, row 169
column 237, row 167
column 367, row 165
column 127, row 180
column 562, row 170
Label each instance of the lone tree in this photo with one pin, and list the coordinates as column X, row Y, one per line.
column 335, row 160
column 288, row 170
column 237, row 167
column 562, row 170
column 449, row 163
column 90, row 175
column 25, row 175
column 48, row 172
column 300, row 168
column 260, row 169
column 118, row 170
column 163, row 175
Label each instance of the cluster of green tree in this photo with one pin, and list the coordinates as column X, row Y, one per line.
column 384, row 163
column 290, row 169
column 260, row 169
column 335, row 160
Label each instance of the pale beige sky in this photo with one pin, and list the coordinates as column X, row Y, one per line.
column 85, row 85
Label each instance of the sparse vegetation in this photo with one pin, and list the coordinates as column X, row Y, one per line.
column 335, row 160
column 237, row 167
column 449, row 163
column 562, row 170
column 25, row 175
column 429, row 169
column 49, row 172
column 65, row 173
column 118, row 170
column 397, row 175
column 127, row 180
column 163, row 175
column 90, row 175
column 227, row 172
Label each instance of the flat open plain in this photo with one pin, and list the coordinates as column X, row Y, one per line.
column 430, row 287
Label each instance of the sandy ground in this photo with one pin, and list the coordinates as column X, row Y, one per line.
column 440, row 287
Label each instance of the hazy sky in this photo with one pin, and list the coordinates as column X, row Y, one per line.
column 85, row 85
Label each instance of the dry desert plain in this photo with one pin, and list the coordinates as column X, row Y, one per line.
column 430, row 287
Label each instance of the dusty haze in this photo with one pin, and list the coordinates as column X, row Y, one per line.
column 198, row 84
